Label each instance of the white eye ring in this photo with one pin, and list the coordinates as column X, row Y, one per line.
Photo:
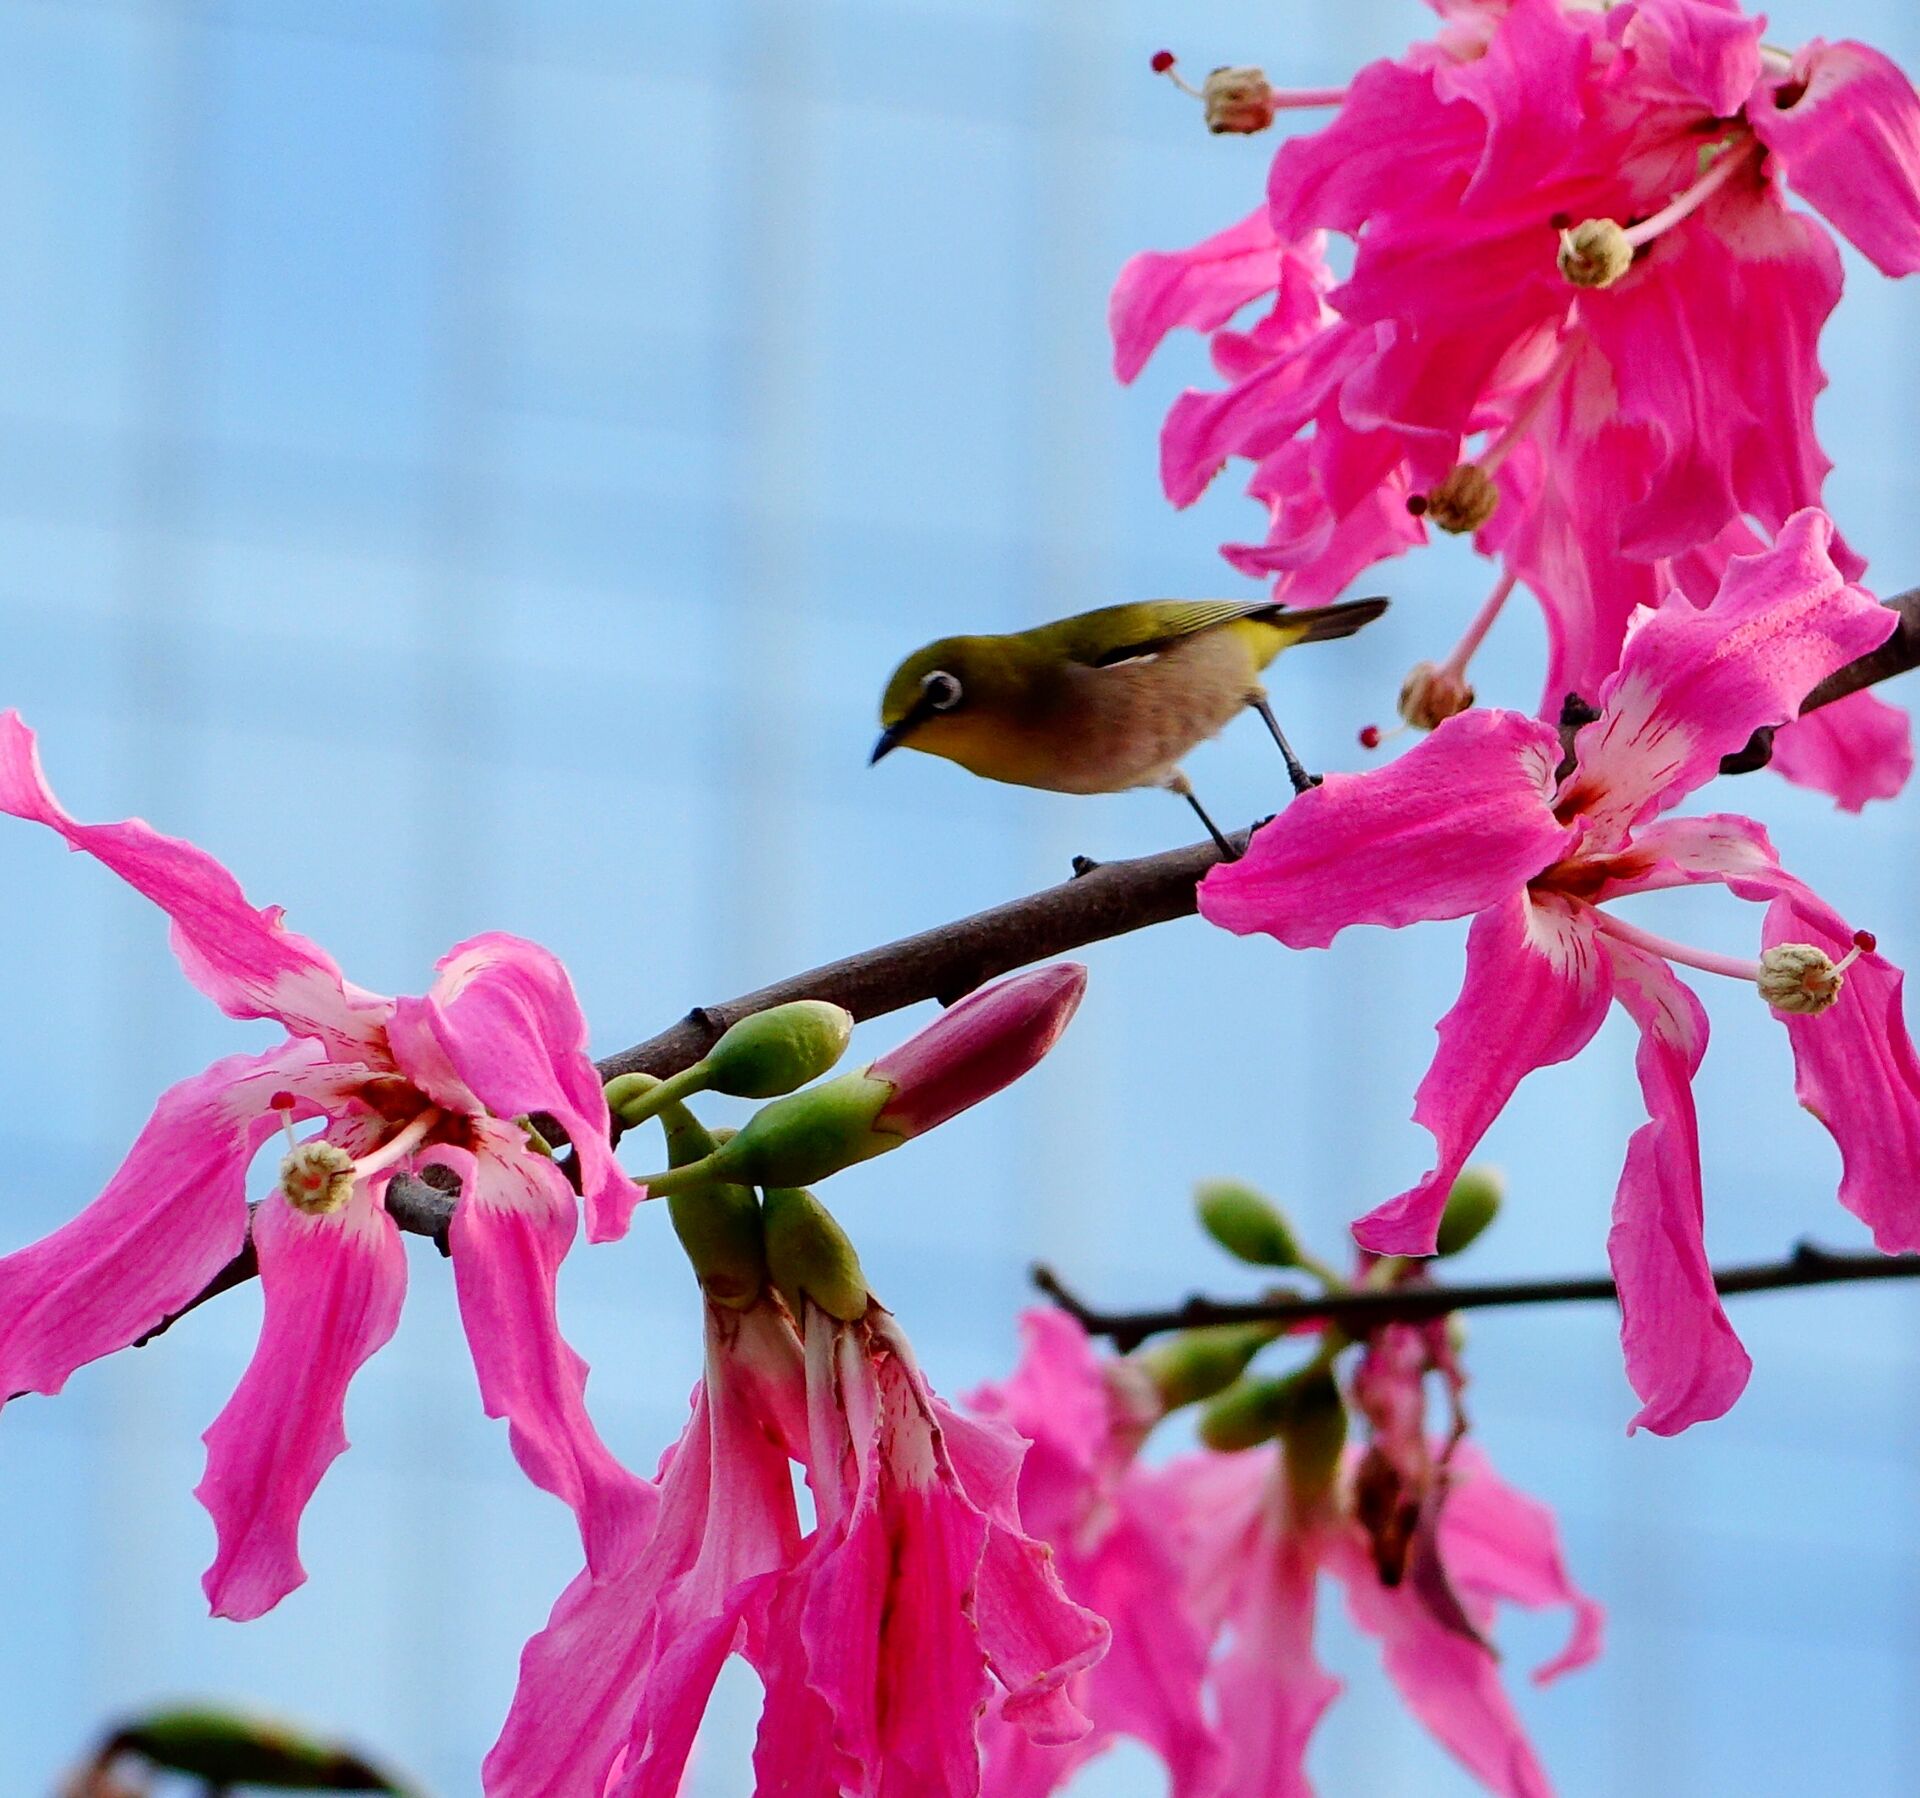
column 941, row 690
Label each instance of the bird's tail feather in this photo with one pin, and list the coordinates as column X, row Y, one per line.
column 1324, row 623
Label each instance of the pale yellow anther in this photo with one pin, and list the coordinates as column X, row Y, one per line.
column 1463, row 502
column 1238, row 101
column 1595, row 253
column 1798, row 978
column 1431, row 694
column 317, row 1177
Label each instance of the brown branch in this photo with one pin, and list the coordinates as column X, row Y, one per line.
column 1808, row 1265
column 1105, row 899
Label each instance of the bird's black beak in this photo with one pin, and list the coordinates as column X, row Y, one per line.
column 890, row 740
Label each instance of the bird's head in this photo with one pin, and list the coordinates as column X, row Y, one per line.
column 955, row 698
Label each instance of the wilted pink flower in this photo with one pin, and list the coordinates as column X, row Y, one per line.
column 1261, row 1543
column 1474, row 822
column 880, row 1637
column 1573, row 242
column 1120, row 1551
column 401, row 1083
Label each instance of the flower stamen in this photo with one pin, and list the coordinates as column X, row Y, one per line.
column 1240, row 100
column 1597, row 252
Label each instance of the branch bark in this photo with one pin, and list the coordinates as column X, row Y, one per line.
column 1808, row 1265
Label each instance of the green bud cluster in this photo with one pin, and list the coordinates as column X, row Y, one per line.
column 764, row 1056
column 1197, row 1364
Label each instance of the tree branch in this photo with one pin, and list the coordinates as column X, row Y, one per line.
column 1808, row 1265
column 1103, row 900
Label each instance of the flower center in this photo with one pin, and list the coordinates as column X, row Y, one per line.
column 1597, row 252
column 317, row 1176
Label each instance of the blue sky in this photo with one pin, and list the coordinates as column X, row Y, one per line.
column 473, row 467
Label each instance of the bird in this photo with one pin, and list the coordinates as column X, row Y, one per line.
column 1106, row 700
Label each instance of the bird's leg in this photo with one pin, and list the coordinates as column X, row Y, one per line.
column 1296, row 769
column 1176, row 782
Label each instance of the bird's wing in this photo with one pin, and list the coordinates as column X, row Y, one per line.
column 1127, row 633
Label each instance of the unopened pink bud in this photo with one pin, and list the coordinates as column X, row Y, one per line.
column 973, row 1049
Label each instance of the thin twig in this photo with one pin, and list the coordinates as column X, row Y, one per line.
column 1808, row 1265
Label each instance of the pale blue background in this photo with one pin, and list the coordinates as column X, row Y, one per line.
column 471, row 466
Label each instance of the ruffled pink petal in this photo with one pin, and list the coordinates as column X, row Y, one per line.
column 1449, row 1680
column 1683, row 1359
column 511, row 1229
column 1857, row 749
column 1497, row 1543
column 172, row 1216
column 503, row 1017
column 1856, row 1071
column 1458, row 823
column 1035, row 1636
column 1845, row 124
column 1203, row 287
column 1536, row 990
column 1695, row 684
column 1700, row 53
column 241, row 958
column 333, row 1287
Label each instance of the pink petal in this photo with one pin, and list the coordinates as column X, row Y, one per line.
column 1535, row 992
column 1202, row 287
column 241, row 958
column 333, row 1287
column 1497, row 1543
column 976, row 1047
column 1856, row 1071
column 1035, row 1636
column 1270, row 1690
column 511, row 1229
column 1695, row 684
column 1846, row 126
column 503, row 1018
column 630, row 1660
column 1859, row 748
column 1449, row 1681
column 1458, row 823
column 1706, row 52
column 1683, row 1359
column 172, row 1216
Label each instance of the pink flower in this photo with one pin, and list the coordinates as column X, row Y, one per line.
column 880, row 1637
column 1120, row 1552
column 413, row 1082
column 1261, row 1545
column 1573, row 242
column 1474, row 822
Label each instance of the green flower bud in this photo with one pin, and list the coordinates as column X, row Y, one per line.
column 763, row 1056
column 717, row 1222
column 810, row 1256
column 1246, row 1223
column 1313, row 1434
column 1197, row 1364
column 1472, row 1205
column 777, row 1051
column 1295, row 1407
column 808, row 1135
column 225, row 1749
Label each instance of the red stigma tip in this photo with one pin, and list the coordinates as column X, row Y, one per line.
column 1370, row 736
column 280, row 1102
column 1865, row 941
column 1162, row 61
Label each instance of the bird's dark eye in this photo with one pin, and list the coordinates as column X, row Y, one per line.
column 941, row 690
